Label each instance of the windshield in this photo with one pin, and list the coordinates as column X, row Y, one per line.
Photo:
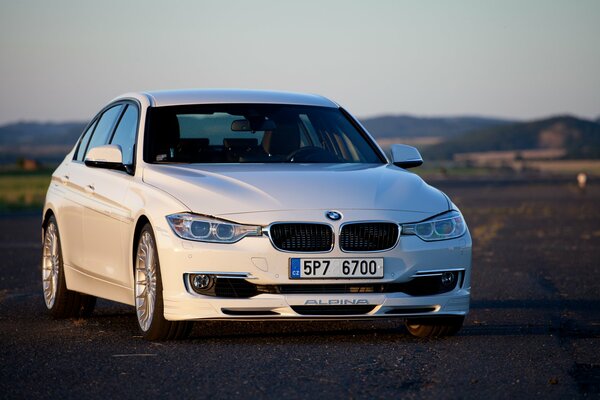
column 254, row 133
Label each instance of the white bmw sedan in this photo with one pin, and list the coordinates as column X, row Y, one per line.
column 249, row 205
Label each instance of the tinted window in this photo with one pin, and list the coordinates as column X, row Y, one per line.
column 254, row 133
column 85, row 139
column 125, row 133
column 105, row 127
column 214, row 127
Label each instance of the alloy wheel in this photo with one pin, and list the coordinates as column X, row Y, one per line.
column 50, row 265
column 145, row 280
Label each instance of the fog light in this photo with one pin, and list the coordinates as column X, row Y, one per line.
column 448, row 278
column 201, row 281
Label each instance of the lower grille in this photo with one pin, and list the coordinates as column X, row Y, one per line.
column 419, row 310
column 425, row 285
column 369, row 236
column 227, row 287
column 333, row 310
column 327, row 289
column 250, row 313
column 302, row 237
column 418, row 286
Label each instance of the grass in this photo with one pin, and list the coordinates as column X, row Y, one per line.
column 21, row 190
column 26, row 190
column 428, row 171
column 556, row 168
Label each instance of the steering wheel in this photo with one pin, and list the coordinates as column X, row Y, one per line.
column 310, row 154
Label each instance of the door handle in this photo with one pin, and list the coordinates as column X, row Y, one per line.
column 90, row 188
column 64, row 179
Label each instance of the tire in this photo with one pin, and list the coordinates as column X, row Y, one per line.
column 434, row 327
column 60, row 301
column 148, row 290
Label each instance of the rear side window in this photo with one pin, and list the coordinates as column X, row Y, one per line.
column 125, row 133
column 104, row 128
column 85, row 139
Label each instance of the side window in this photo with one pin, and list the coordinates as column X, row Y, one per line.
column 85, row 139
column 125, row 134
column 104, row 127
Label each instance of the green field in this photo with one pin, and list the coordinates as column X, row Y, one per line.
column 20, row 190
column 24, row 190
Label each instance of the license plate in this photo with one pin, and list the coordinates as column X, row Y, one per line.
column 326, row 268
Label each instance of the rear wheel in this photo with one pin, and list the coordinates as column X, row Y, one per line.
column 149, row 304
column 61, row 302
column 434, row 327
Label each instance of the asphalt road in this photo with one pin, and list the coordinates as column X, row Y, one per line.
column 534, row 328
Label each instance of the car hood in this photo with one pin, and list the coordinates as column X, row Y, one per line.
column 222, row 189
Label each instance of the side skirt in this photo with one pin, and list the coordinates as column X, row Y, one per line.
column 84, row 283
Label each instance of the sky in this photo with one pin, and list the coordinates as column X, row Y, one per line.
column 64, row 60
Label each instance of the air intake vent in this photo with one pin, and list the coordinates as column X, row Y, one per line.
column 333, row 310
column 370, row 236
column 302, row 237
column 408, row 310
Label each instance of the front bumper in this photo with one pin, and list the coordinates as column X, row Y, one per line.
column 338, row 306
column 257, row 257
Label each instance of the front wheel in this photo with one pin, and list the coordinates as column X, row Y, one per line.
column 149, row 304
column 60, row 301
column 434, row 327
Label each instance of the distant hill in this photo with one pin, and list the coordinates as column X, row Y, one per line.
column 49, row 142
column 407, row 126
column 39, row 133
column 579, row 138
column 45, row 142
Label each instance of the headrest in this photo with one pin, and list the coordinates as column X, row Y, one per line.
column 239, row 143
column 283, row 140
column 166, row 136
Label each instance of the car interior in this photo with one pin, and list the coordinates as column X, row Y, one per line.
column 221, row 137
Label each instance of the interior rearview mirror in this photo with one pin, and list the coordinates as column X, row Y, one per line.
column 241, row 125
column 252, row 125
column 405, row 156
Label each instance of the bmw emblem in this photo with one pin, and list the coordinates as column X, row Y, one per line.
column 333, row 215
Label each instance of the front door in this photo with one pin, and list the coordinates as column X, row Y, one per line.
column 107, row 218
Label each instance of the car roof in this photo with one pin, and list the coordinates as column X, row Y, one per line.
column 222, row 96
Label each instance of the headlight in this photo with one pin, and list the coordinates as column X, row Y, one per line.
column 205, row 229
column 446, row 226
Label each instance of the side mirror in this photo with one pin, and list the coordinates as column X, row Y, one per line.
column 108, row 156
column 405, row 156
